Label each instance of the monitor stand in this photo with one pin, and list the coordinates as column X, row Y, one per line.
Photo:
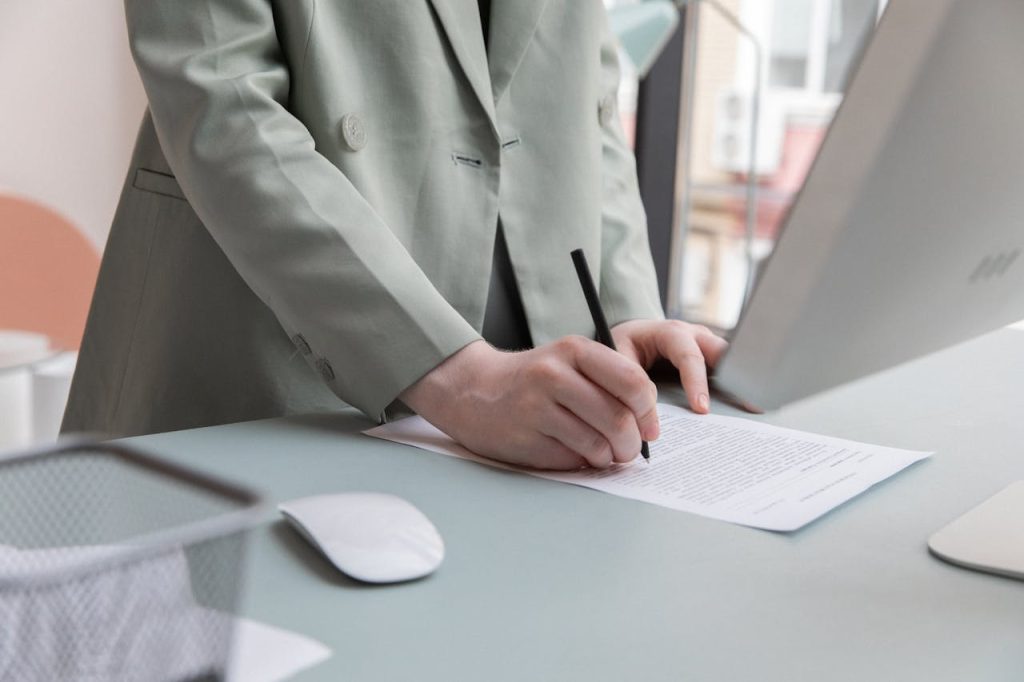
column 989, row 537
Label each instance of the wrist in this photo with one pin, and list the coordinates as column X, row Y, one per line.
column 435, row 393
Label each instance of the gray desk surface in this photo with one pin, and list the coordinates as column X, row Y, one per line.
column 546, row 581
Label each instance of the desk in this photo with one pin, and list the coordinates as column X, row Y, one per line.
column 545, row 581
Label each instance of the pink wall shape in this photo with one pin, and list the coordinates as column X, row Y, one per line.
column 71, row 105
column 47, row 272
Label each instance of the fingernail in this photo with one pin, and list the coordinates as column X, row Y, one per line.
column 703, row 402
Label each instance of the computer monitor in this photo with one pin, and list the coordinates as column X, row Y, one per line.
column 907, row 236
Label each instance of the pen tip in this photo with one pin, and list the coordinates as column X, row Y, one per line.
column 645, row 451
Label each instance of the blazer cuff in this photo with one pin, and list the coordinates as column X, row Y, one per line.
column 631, row 298
column 409, row 357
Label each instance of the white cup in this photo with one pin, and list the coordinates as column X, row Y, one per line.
column 51, row 383
column 18, row 350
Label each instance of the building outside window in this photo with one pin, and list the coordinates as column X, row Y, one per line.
column 808, row 48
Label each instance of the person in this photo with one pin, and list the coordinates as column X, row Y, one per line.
column 375, row 203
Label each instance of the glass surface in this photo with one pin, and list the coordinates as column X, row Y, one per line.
column 848, row 23
column 808, row 46
column 790, row 43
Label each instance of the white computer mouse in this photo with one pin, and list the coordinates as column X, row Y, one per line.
column 373, row 537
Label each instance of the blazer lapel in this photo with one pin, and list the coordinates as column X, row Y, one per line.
column 513, row 23
column 461, row 22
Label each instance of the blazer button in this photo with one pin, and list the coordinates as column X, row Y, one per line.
column 606, row 109
column 353, row 132
column 325, row 369
column 300, row 343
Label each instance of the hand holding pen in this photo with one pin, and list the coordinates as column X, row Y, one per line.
column 604, row 334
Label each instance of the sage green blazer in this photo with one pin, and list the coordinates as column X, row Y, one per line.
column 311, row 208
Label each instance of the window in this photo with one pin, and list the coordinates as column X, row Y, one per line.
column 812, row 43
column 807, row 49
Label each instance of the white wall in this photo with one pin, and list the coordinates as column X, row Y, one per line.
column 70, row 105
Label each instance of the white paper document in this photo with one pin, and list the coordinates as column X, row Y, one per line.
column 727, row 468
column 264, row 653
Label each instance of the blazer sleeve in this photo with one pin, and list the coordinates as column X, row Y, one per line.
column 629, row 285
column 296, row 229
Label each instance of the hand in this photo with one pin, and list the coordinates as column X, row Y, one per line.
column 567, row 404
column 691, row 348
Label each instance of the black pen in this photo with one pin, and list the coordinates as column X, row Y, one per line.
column 604, row 334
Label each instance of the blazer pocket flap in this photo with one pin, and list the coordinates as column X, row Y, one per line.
column 158, row 183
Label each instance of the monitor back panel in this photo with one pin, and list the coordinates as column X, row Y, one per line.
column 908, row 235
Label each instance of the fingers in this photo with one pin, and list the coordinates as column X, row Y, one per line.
column 622, row 378
column 536, row 451
column 679, row 343
column 603, row 413
column 578, row 437
column 711, row 345
column 693, row 376
column 555, row 455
